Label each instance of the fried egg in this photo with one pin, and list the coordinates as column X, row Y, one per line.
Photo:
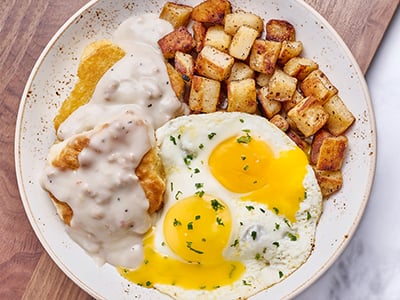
column 241, row 207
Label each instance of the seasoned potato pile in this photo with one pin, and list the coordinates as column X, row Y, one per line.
column 224, row 60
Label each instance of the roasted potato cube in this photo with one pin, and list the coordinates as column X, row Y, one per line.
column 289, row 50
column 177, row 14
column 235, row 20
column 316, row 143
column 178, row 40
column 296, row 98
column 329, row 181
column 340, row 118
column 316, row 84
column 204, row 94
column 184, row 64
column 263, row 79
column 300, row 67
column 218, row 38
column 281, row 86
column 332, row 153
column 264, row 55
column 214, row 64
column 280, row 122
column 309, row 116
column 242, row 95
column 240, row 71
column 280, row 30
column 199, row 35
column 211, row 11
column 268, row 106
column 302, row 144
column 242, row 42
column 177, row 82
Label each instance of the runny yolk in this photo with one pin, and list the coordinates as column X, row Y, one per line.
column 246, row 165
column 197, row 229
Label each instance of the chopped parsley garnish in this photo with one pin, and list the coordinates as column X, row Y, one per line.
column 308, row 215
column 246, row 167
column 200, row 193
column 196, row 171
column 189, row 245
column 177, row 222
column 244, row 139
column 172, row 139
column 280, row 274
column 262, row 210
column 292, row 237
column 190, row 226
column 254, row 235
column 211, row 135
column 216, row 205
column 277, row 225
column 172, row 186
column 243, row 157
column 275, row 244
column 201, row 146
column 257, row 256
column 197, row 217
column 178, row 193
column 241, row 120
column 148, row 283
column 305, row 195
column 219, row 221
column 245, row 282
column 188, row 159
column 199, row 185
column 276, row 210
column 235, row 243
column 287, row 223
column 249, row 207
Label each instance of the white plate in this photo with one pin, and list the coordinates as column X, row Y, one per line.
column 53, row 78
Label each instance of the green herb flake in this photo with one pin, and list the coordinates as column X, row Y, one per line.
column 189, row 245
column 276, row 210
column 172, row 139
column 254, row 235
column 177, row 222
column 246, row 167
column 190, row 226
column 235, row 243
column 199, row 185
column 197, row 217
column 243, row 157
column 148, row 283
column 241, row 120
column 219, row 221
column 178, row 193
column 244, row 139
column 188, row 159
column 216, row 205
column 196, row 171
column 249, row 207
column 280, row 274
column 172, row 186
column 292, row 237
column 200, row 193
column 201, row 146
column 257, row 256
column 308, row 215
column 211, row 135
column 277, row 225
column 276, row 244
column 245, row 282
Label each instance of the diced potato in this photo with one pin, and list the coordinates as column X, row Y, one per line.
column 184, row 64
column 296, row 98
column 264, row 55
column 301, row 143
column 211, row 11
column 177, row 14
column 289, row 50
column 204, row 94
column 280, row 122
column 263, row 79
column 242, row 96
column 317, row 140
column 178, row 40
column 268, row 106
column 240, row 71
column 300, row 67
column 309, row 116
column 177, row 82
column 329, row 181
column 280, row 30
column 214, row 64
column 332, row 153
column 281, row 86
column 340, row 118
column 218, row 38
column 237, row 19
column 316, row 84
column 199, row 35
column 242, row 42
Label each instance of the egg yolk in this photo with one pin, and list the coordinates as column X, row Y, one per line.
column 197, row 229
column 246, row 165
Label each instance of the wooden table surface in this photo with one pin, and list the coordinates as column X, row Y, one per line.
column 26, row 26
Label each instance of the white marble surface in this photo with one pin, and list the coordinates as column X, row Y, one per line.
column 369, row 268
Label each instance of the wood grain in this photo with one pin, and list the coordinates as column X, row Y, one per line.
column 26, row 26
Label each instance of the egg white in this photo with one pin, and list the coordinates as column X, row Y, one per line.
column 185, row 145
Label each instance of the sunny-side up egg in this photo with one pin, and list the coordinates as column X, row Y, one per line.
column 240, row 212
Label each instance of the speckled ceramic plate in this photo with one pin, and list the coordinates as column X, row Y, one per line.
column 53, row 77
